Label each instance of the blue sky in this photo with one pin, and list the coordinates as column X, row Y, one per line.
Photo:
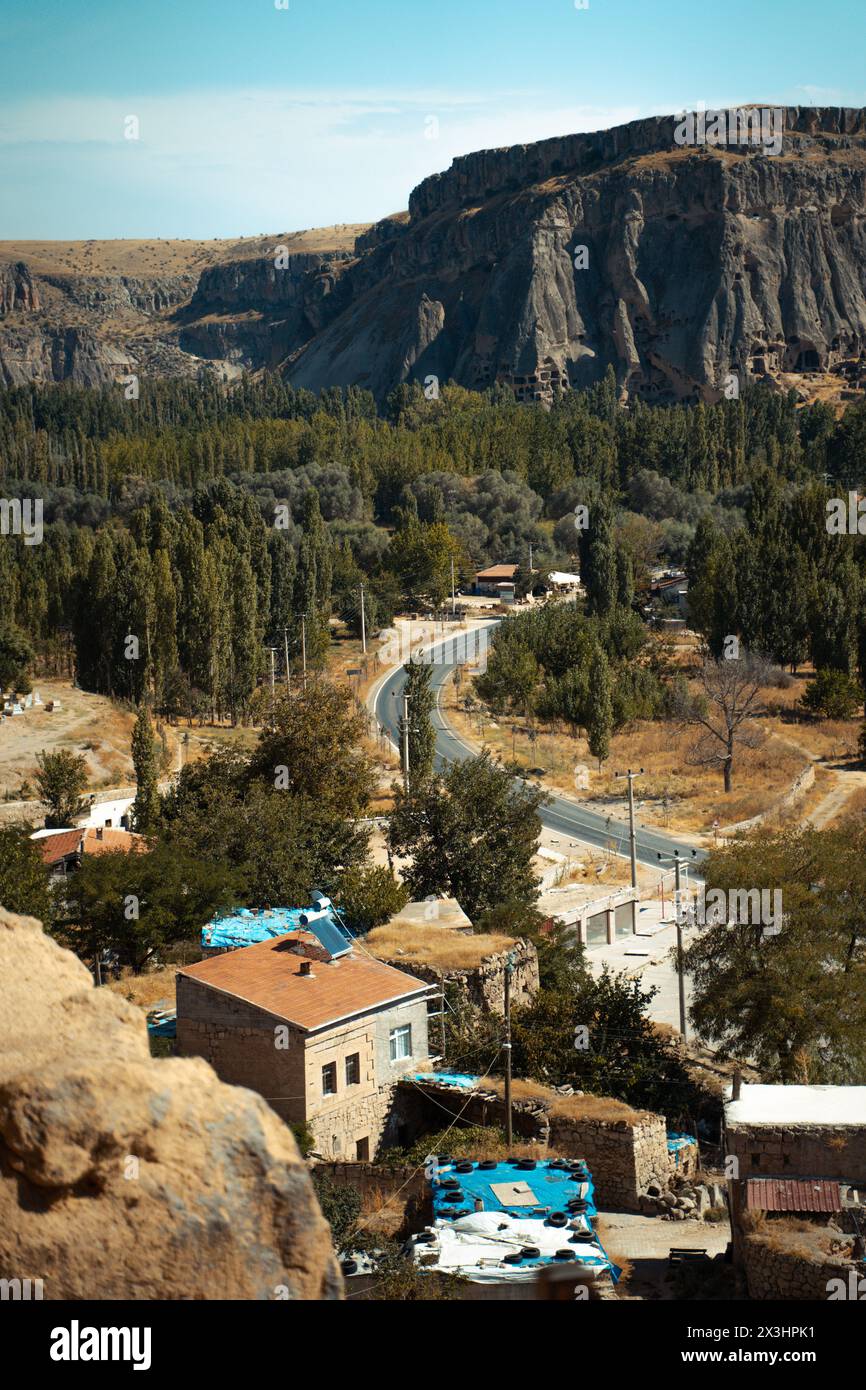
column 257, row 119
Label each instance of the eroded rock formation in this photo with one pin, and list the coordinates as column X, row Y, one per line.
column 122, row 1176
column 540, row 266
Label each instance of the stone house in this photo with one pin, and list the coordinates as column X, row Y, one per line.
column 324, row 1039
column 793, row 1152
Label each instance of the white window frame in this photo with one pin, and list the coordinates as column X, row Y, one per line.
column 403, row 1032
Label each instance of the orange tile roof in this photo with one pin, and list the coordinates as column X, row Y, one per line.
column 498, row 572
column 268, row 976
column 53, row 848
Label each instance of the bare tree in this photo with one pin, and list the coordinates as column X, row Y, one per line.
column 725, row 708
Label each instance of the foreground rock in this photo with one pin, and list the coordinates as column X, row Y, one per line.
column 122, row 1176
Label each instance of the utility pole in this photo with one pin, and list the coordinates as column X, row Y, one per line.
column 304, row 647
column 530, row 559
column 273, row 652
column 453, row 595
column 631, row 835
column 363, row 624
column 509, row 967
column 286, row 652
column 678, row 915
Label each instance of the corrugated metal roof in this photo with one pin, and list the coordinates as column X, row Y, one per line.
column 793, row 1194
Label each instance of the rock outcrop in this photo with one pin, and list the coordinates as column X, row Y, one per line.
column 540, row 266
column 122, row 1176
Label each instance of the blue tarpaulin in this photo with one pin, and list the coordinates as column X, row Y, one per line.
column 246, row 926
column 553, row 1187
column 678, row 1142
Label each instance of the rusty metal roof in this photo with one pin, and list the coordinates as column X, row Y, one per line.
column 793, row 1194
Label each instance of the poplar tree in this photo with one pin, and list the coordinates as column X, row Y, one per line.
column 422, row 736
column 599, row 721
column 145, row 760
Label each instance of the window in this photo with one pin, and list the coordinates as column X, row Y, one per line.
column 362, row 1150
column 353, row 1069
column 329, row 1079
column 400, row 1042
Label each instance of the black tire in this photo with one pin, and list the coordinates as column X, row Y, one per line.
column 526, row 1164
column 530, row 1252
column 557, row 1218
column 465, row 1167
column 487, row 1165
column 565, row 1255
column 349, row 1266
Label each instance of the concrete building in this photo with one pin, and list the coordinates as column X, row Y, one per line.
column 324, row 1039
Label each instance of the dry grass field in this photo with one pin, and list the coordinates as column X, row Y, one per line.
column 90, row 725
column 673, row 794
column 155, row 257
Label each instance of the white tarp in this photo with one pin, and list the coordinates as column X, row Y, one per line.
column 475, row 1246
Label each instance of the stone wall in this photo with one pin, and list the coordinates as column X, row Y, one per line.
column 625, row 1156
column 814, row 1151
column 776, row 1273
column 408, row 1193
column 484, row 984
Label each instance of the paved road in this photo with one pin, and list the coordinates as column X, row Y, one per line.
column 561, row 813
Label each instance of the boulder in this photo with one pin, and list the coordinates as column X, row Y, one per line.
column 123, row 1176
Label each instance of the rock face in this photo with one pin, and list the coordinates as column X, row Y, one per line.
column 697, row 262
column 541, row 266
column 122, row 1176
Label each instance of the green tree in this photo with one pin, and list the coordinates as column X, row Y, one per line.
column 24, row 880
column 421, row 556
column 369, row 896
column 421, row 703
column 471, row 833
column 599, row 716
column 16, row 654
column 598, row 1037
column 792, row 999
column 834, row 694
column 138, row 906
column 61, row 779
column 598, row 560
column 512, row 674
column 145, row 760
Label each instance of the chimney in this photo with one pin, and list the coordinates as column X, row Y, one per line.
column 737, row 1086
column 306, row 969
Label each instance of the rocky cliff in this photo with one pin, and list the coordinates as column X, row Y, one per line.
column 679, row 265
column 122, row 1176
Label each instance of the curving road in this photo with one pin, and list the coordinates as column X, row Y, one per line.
column 561, row 813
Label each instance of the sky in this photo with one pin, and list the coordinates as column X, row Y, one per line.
column 259, row 116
